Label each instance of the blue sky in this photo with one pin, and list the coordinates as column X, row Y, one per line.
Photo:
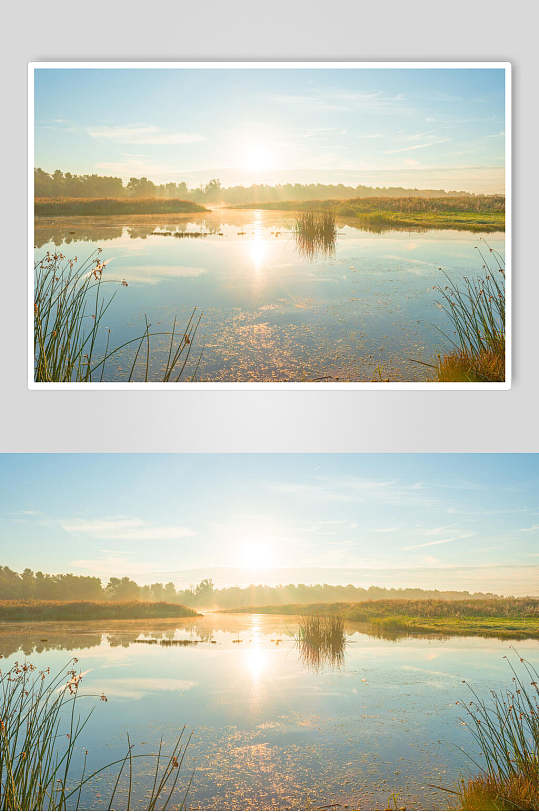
column 448, row 520
column 441, row 128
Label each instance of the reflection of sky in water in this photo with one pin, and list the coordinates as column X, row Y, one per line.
column 269, row 313
column 268, row 731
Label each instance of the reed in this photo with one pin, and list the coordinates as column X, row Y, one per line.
column 476, row 311
column 69, row 307
column 505, row 729
column 316, row 233
column 321, row 640
column 40, row 743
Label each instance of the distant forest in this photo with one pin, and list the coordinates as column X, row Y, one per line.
column 29, row 585
column 64, row 184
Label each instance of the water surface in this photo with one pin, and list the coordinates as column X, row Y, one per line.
column 271, row 731
column 271, row 312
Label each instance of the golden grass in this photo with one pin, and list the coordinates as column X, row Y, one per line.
column 90, row 610
column 59, row 206
column 485, row 792
column 464, row 367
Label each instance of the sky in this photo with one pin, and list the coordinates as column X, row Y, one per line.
column 445, row 521
column 424, row 128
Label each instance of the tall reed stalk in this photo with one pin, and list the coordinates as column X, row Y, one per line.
column 40, row 732
column 69, row 307
column 477, row 313
column 316, row 233
column 321, row 640
column 505, row 729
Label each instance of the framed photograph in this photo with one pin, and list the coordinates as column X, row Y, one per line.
column 321, row 225
column 272, row 631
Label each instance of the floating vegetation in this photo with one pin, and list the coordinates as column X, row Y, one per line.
column 321, row 641
column 154, row 642
column 316, row 234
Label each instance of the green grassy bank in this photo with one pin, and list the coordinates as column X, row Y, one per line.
column 91, row 610
column 481, row 213
column 506, row 618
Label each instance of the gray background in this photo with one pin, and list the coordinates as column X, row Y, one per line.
column 266, row 420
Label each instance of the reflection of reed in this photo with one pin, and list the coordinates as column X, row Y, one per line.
column 321, row 641
column 316, row 234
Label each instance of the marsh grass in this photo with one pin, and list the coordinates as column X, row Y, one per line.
column 321, row 641
column 40, row 745
column 90, row 610
column 94, row 206
column 505, row 728
column 315, row 233
column 476, row 311
column 69, row 307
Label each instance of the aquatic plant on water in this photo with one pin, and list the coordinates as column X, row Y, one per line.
column 321, row 640
column 315, row 233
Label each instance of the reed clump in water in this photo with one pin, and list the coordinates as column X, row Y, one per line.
column 69, row 308
column 506, row 730
column 477, row 313
column 40, row 744
column 321, row 640
column 316, row 233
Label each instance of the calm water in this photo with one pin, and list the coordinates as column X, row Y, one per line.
column 270, row 312
column 270, row 731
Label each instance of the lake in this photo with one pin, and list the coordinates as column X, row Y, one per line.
column 272, row 730
column 363, row 310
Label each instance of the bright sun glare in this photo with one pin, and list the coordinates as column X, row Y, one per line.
column 258, row 158
column 255, row 556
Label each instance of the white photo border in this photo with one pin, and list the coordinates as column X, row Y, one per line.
column 277, row 65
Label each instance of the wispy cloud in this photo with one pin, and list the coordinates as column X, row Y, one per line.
column 531, row 529
column 143, row 135
column 447, row 540
column 124, row 528
column 339, row 101
column 417, row 146
column 359, row 489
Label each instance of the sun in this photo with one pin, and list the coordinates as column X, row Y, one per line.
column 258, row 158
column 254, row 555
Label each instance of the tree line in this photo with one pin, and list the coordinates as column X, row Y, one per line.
column 65, row 184
column 29, row 585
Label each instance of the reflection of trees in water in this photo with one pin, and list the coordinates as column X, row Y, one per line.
column 65, row 233
column 321, row 641
column 32, row 640
column 316, row 234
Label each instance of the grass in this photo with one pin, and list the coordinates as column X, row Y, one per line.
column 57, row 207
column 90, row 610
column 315, row 233
column 69, row 308
column 478, row 213
column 40, row 747
column 476, row 311
column 506, row 731
column 321, row 640
column 504, row 618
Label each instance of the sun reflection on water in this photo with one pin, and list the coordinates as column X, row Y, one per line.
column 257, row 244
